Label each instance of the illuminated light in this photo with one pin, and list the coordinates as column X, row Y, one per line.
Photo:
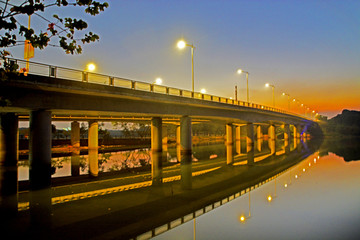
column 242, row 219
column 158, row 81
column 262, row 106
column 239, row 71
column 302, row 104
column 296, row 176
column 313, row 111
column 267, row 85
column 203, row 90
column 269, row 198
column 318, row 157
column 285, row 185
column 91, row 67
column 303, row 169
column 181, row 44
column 283, row 94
column 314, row 160
column 294, row 100
column 309, row 164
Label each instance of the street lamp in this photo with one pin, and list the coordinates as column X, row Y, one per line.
column 285, row 94
column 91, row 67
column 203, row 91
column 273, row 92
column 239, row 71
column 181, row 45
column 158, row 81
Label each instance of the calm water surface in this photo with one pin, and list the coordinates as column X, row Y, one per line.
column 322, row 203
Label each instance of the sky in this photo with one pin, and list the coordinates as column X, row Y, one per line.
column 308, row 49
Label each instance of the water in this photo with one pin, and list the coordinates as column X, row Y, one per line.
column 322, row 203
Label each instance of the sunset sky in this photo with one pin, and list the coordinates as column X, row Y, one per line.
column 308, row 49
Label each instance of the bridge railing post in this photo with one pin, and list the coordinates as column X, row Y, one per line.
column 167, row 90
column 85, row 77
column 111, row 81
column 52, row 71
column 133, row 85
column 151, row 87
column 180, row 92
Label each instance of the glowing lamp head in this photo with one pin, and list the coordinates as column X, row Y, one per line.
column 285, row 185
column 294, row 100
column 267, row 85
column 91, row 67
column 269, row 198
column 158, row 81
column 181, row 44
column 296, row 176
column 283, row 94
column 242, row 219
column 303, row 169
column 203, row 90
column 239, row 71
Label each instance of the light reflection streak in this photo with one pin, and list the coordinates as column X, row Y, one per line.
column 78, row 196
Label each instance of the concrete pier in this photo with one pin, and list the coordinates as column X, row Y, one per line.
column 259, row 134
column 250, row 143
column 272, row 139
column 40, row 149
column 75, row 143
column 229, row 144
column 8, row 164
column 286, row 138
column 93, row 145
column 156, row 150
column 186, row 152
column 238, row 139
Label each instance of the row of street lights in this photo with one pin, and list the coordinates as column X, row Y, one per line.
column 181, row 44
column 289, row 101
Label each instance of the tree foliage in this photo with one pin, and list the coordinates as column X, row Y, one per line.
column 66, row 29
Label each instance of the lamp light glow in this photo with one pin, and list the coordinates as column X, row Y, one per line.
column 181, row 44
column 203, row 90
column 91, row 67
column 158, row 81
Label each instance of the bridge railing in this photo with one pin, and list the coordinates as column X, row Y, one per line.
column 84, row 76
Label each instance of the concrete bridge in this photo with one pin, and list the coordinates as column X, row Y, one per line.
column 52, row 93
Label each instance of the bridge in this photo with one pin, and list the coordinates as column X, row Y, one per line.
column 51, row 93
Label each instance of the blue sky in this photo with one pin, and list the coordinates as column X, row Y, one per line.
column 309, row 49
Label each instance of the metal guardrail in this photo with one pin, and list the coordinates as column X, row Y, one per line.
column 84, row 76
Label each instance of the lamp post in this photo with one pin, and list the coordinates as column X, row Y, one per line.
column 239, row 71
column 285, row 94
column 273, row 92
column 182, row 44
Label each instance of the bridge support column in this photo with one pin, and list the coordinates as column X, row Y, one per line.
column 272, row 139
column 40, row 169
column 238, row 139
column 93, row 146
column 294, row 136
column 286, row 138
column 40, row 149
column 156, row 150
column 164, row 143
column 250, row 143
column 178, row 148
column 229, row 144
column 75, row 143
column 259, row 132
column 186, row 152
column 8, row 164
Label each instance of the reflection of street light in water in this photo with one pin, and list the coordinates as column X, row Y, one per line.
column 242, row 218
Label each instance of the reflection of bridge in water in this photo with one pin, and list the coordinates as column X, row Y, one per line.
column 65, row 94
